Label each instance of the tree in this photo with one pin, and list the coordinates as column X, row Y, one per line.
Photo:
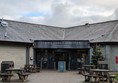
column 97, row 54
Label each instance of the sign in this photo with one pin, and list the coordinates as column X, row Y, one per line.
column 61, row 66
column 61, row 44
column 116, row 59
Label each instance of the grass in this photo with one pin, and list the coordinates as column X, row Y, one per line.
column 116, row 77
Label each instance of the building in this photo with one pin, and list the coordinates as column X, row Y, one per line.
column 43, row 45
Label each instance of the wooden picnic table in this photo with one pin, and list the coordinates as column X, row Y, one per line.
column 85, row 71
column 99, row 74
column 6, row 76
column 87, row 68
column 31, row 68
column 10, row 70
column 80, row 70
column 20, row 71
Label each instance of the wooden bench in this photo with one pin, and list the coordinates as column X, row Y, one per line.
column 23, row 76
column 111, row 78
column 80, row 70
column 35, row 69
column 28, row 68
column 90, row 77
column 6, row 76
column 38, row 69
column 86, row 75
column 31, row 68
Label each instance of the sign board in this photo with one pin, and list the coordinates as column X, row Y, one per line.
column 61, row 44
column 116, row 59
column 61, row 66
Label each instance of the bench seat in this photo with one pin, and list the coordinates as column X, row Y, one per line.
column 38, row 69
column 86, row 75
column 32, row 69
column 111, row 78
column 23, row 76
column 6, row 76
column 80, row 70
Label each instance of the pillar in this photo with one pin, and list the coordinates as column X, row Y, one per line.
column 34, row 56
column 27, row 54
column 88, row 56
column 108, row 55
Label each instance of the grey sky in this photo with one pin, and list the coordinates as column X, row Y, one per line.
column 59, row 12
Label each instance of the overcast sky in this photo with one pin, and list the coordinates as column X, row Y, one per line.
column 61, row 13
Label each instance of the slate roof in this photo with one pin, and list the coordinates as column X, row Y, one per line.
column 97, row 32
column 28, row 32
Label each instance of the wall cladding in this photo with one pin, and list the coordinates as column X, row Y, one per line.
column 114, row 53
column 110, row 52
column 13, row 53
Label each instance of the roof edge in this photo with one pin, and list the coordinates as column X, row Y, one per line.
column 31, row 23
column 92, row 23
column 16, row 42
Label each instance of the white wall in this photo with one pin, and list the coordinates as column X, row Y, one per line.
column 14, row 53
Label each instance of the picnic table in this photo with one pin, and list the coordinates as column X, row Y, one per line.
column 80, row 70
column 11, row 70
column 111, row 76
column 20, row 71
column 32, row 68
column 6, row 76
column 99, row 74
column 87, row 68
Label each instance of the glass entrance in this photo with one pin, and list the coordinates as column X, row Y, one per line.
column 49, row 52
column 49, row 58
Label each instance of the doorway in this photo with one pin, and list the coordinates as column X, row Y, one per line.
column 49, row 58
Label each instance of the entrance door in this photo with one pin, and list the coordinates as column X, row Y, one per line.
column 73, row 61
column 70, row 56
column 61, row 57
column 77, row 58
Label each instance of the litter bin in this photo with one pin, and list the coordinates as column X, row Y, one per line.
column 5, row 65
column 61, row 66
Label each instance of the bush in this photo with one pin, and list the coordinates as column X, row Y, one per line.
column 116, row 77
column 97, row 55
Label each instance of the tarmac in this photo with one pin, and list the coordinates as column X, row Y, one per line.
column 51, row 76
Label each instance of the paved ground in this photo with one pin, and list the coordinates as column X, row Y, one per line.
column 49, row 76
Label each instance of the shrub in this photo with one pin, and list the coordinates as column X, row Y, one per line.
column 97, row 55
